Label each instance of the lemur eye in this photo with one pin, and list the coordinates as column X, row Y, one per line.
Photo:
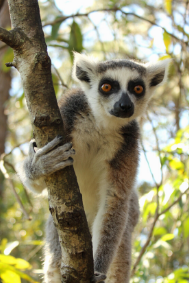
column 106, row 87
column 138, row 89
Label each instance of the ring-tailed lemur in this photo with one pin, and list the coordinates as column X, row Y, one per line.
column 100, row 122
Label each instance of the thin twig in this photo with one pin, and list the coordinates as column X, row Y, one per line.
column 5, row 173
column 6, row 36
column 145, row 245
column 157, row 215
column 10, row 152
column 33, row 252
column 159, row 154
column 59, row 76
column 98, row 35
column 145, row 155
column 176, row 201
column 3, row 157
column 115, row 9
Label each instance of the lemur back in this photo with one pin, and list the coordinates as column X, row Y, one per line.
column 100, row 121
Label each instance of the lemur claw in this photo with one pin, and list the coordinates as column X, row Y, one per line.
column 98, row 277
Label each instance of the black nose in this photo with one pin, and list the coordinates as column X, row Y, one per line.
column 125, row 107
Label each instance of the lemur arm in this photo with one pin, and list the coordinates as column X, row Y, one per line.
column 111, row 220
column 43, row 162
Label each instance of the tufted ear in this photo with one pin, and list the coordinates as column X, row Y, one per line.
column 157, row 72
column 84, row 69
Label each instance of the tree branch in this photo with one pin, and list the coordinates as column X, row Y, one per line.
column 6, row 36
column 146, row 244
column 115, row 9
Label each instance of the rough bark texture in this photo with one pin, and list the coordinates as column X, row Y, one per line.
column 65, row 201
column 5, row 84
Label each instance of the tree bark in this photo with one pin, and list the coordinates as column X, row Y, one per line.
column 65, row 202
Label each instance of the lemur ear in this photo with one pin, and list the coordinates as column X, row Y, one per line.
column 84, row 69
column 157, row 72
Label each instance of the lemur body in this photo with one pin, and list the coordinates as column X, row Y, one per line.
column 100, row 122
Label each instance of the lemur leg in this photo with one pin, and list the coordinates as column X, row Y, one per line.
column 121, row 266
column 52, row 254
column 108, row 229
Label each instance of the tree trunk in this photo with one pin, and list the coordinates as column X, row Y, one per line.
column 65, row 201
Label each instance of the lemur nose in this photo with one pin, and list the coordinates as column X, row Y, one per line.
column 125, row 106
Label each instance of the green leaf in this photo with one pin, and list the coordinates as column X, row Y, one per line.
column 3, row 244
column 35, row 242
column 17, row 262
column 21, row 99
column 22, row 264
column 54, row 31
column 167, row 237
column 167, row 41
column 164, row 57
column 176, row 164
column 55, row 83
column 4, row 267
column 180, row 28
column 150, row 209
column 159, row 231
column 168, row 6
column 75, row 40
column 8, row 57
column 8, row 259
column 186, row 228
column 9, row 276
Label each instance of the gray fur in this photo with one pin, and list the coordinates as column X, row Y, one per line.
column 117, row 64
column 105, row 159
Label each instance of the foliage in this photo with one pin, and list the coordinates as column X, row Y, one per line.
column 146, row 30
column 11, row 267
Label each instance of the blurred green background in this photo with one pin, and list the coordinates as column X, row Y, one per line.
column 143, row 30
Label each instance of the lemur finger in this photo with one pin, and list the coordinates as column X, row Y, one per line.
column 48, row 147
column 59, row 154
column 59, row 166
column 98, row 277
column 32, row 144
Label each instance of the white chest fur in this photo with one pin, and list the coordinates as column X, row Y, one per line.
column 94, row 148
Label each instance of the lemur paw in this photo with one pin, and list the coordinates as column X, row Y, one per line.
column 98, row 277
column 50, row 158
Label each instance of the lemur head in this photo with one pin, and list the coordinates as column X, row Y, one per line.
column 118, row 89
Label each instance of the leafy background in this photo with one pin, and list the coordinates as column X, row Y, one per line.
column 144, row 30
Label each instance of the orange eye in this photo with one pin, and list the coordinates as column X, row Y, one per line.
column 106, row 87
column 138, row 89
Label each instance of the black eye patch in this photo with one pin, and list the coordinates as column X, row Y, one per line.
column 115, row 87
column 134, row 86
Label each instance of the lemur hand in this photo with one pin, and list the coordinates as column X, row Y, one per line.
column 48, row 159
column 98, row 277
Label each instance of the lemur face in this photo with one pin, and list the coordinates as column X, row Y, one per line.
column 118, row 88
column 121, row 90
